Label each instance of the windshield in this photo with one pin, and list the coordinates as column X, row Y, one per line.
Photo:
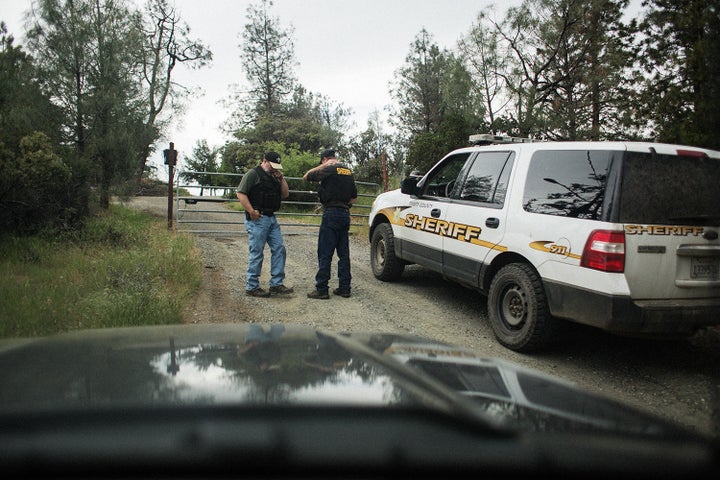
column 206, row 261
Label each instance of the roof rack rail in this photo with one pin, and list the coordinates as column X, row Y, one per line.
column 490, row 139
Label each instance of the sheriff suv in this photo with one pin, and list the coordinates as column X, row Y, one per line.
column 617, row 235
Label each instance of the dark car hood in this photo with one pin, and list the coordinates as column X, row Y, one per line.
column 252, row 364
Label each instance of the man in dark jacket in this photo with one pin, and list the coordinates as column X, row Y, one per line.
column 337, row 193
column 260, row 192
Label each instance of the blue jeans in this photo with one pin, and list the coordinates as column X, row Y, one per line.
column 333, row 237
column 261, row 231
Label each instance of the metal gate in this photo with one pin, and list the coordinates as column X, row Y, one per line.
column 210, row 214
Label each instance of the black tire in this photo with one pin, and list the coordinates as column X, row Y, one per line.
column 385, row 265
column 518, row 310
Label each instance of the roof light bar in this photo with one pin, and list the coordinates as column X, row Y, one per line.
column 490, row 139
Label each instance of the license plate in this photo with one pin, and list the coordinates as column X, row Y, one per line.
column 705, row 268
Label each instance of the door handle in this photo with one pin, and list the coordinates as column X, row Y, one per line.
column 492, row 222
column 435, row 213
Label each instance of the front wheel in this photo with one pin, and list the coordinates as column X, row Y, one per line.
column 518, row 310
column 385, row 265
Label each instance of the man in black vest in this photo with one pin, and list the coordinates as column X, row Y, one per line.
column 260, row 193
column 337, row 193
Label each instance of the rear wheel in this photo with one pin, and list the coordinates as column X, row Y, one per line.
column 517, row 307
column 385, row 265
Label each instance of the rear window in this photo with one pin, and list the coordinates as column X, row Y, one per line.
column 567, row 183
column 670, row 190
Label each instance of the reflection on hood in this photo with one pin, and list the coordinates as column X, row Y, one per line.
column 253, row 364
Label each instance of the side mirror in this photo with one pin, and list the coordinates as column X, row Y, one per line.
column 409, row 186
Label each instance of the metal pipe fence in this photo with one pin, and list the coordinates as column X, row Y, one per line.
column 190, row 219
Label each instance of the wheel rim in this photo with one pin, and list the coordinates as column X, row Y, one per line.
column 514, row 306
column 380, row 253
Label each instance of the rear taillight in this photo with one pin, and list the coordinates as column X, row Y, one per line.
column 605, row 250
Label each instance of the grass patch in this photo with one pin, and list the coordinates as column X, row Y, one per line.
column 123, row 269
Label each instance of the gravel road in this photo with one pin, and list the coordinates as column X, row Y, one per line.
column 677, row 380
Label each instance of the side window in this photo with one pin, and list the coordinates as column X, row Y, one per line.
column 442, row 180
column 568, row 183
column 487, row 178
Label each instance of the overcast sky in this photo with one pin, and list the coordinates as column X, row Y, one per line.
column 347, row 50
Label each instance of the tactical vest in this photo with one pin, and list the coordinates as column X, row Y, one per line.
column 265, row 196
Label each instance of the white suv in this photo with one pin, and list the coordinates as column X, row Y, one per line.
column 621, row 236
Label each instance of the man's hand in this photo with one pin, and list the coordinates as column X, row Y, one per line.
column 247, row 206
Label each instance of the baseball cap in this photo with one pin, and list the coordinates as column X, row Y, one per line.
column 274, row 160
column 329, row 153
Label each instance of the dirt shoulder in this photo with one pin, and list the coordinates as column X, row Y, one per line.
column 676, row 380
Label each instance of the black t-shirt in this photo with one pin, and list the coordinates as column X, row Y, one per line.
column 337, row 185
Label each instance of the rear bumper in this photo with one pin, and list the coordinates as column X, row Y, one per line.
column 623, row 315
